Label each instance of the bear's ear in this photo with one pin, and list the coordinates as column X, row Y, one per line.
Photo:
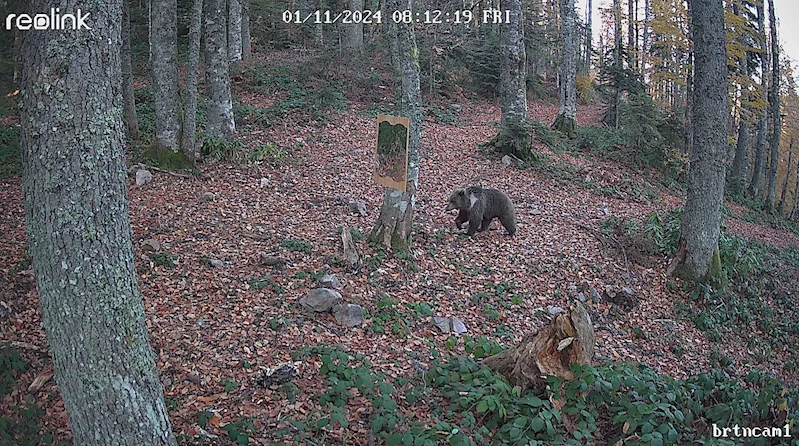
column 460, row 191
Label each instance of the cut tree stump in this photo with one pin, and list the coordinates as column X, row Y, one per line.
column 567, row 339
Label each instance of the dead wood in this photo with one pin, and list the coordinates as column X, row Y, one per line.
column 567, row 339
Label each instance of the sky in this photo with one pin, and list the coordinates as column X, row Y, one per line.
column 787, row 12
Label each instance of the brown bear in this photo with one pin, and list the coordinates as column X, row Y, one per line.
column 480, row 206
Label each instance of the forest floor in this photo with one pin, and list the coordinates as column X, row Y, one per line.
column 215, row 329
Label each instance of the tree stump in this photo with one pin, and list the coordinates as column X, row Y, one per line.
column 567, row 339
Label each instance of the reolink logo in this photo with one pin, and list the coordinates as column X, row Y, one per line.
column 54, row 20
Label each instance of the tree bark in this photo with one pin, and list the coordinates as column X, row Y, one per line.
column 246, row 39
column 513, row 138
column 128, row 98
column 165, row 74
column 217, row 77
column 589, row 37
column 567, row 339
column 795, row 194
column 774, row 106
column 781, row 207
column 740, row 162
column 760, row 142
column 79, row 232
column 395, row 222
column 566, row 121
column 702, row 218
column 617, row 59
column 354, row 41
column 234, row 33
column 189, row 144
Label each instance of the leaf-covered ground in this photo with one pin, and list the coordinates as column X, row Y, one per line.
column 215, row 329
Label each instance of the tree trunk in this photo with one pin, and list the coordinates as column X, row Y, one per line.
column 589, row 37
column 354, row 41
column 566, row 121
column 165, row 74
column 79, row 231
column 795, row 193
column 774, row 107
column 513, row 138
column 128, row 98
column 246, row 39
column 567, row 339
column 760, row 142
column 220, row 103
column 617, row 59
column 395, row 222
column 631, row 44
column 781, row 208
column 192, row 74
column 645, row 39
column 702, row 218
column 234, row 34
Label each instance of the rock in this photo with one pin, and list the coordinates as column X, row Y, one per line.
column 321, row 300
column 581, row 297
column 143, row 177
column 456, row 107
column 207, row 196
column 442, row 323
column 507, row 161
column 572, row 289
column 279, row 375
column 449, row 324
column 595, row 296
column 552, row 310
column 270, row 260
column 194, row 379
column 628, row 291
column 264, row 182
column 357, row 206
column 150, row 244
column 458, row 326
column 348, row 315
column 535, row 211
column 216, row 263
column 329, row 281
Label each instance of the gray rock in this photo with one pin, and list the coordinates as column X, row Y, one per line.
column 207, row 196
column 357, row 207
column 348, row 315
column 442, row 323
column 535, row 211
column 552, row 310
column 216, row 263
column 321, row 300
column 143, row 177
column 271, row 260
column 628, row 291
column 595, row 296
column 329, row 281
column 581, row 297
column 572, row 289
column 456, row 107
column 449, row 324
column 507, row 161
column 458, row 326
column 264, row 182
column 150, row 244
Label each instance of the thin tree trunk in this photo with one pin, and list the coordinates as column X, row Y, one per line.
column 246, row 39
column 566, row 121
column 220, row 102
column 395, row 222
column 740, row 161
column 79, row 232
column 631, row 34
column 774, row 106
column 354, row 41
column 781, row 207
column 234, row 34
column 192, row 74
column 617, row 60
column 589, row 37
column 128, row 98
column 760, row 143
column 795, row 193
column 645, row 39
column 698, row 257
column 165, row 74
